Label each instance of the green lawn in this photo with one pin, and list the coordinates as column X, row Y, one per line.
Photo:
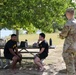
column 34, row 37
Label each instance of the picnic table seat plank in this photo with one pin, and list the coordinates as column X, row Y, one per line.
column 28, row 52
column 22, row 57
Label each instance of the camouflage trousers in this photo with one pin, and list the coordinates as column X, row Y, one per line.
column 70, row 61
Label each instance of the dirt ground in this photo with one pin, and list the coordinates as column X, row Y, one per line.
column 54, row 65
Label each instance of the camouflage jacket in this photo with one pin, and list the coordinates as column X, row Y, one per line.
column 69, row 33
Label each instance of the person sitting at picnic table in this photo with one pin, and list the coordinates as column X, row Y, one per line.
column 43, row 45
column 11, row 51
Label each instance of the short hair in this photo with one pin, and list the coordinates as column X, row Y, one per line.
column 42, row 35
column 70, row 10
column 13, row 35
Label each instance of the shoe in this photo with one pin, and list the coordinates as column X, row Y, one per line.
column 42, row 69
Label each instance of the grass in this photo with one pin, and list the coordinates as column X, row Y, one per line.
column 34, row 37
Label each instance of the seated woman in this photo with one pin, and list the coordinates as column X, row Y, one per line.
column 11, row 51
column 43, row 45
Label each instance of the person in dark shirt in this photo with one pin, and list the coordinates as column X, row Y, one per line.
column 11, row 51
column 43, row 45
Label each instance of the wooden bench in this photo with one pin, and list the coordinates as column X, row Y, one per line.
column 7, row 61
column 22, row 57
column 3, row 65
column 34, row 52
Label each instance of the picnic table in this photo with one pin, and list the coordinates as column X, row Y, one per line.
column 29, row 50
column 26, row 50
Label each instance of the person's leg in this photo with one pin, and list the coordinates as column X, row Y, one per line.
column 75, row 61
column 38, row 63
column 14, row 59
column 7, row 64
column 1, row 63
column 69, row 61
column 20, row 59
column 42, row 62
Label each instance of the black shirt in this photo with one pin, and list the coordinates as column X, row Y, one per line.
column 10, row 44
column 44, row 45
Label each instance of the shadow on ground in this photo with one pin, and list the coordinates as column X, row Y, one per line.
column 62, row 72
column 29, row 68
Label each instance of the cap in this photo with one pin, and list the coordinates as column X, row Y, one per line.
column 70, row 9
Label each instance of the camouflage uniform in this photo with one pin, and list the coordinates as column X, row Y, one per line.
column 69, row 49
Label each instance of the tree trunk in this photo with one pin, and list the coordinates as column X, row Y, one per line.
column 17, row 33
column 0, row 33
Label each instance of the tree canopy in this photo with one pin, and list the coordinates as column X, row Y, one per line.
column 45, row 15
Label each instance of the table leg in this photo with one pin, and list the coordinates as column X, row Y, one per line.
column 1, row 61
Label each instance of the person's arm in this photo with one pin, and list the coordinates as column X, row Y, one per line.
column 16, row 50
column 38, row 43
column 64, row 32
column 10, row 47
column 41, row 50
column 11, row 51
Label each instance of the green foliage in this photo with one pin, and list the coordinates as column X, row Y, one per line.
column 32, row 14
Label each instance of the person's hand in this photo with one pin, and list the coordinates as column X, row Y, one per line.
column 17, row 56
column 37, row 55
column 60, row 36
column 38, row 40
column 18, row 53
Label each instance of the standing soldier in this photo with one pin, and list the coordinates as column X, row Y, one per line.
column 69, row 49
